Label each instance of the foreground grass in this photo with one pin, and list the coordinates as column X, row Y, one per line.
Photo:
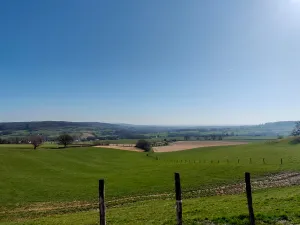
column 274, row 206
column 65, row 175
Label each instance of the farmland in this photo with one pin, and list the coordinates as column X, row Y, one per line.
column 51, row 181
column 175, row 146
column 126, row 133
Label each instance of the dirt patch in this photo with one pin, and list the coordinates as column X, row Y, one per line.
column 272, row 181
column 185, row 145
column 128, row 147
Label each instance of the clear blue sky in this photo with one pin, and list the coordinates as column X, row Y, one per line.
column 150, row 62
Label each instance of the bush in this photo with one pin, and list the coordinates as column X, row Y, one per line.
column 295, row 141
column 143, row 144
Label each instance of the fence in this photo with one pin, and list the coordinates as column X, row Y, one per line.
column 263, row 160
column 178, row 198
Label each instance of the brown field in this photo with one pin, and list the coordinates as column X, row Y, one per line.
column 176, row 146
column 185, row 145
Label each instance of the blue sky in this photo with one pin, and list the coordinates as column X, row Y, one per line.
column 168, row 62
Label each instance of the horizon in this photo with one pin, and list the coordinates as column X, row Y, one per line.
column 172, row 63
column 158, row 125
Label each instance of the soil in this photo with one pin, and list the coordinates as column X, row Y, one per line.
column 176, row 146
column 185, row 145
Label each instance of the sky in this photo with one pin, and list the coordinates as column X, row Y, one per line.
column 171, row 62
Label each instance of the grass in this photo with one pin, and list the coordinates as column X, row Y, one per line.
column 66, row 175
column 218, row 209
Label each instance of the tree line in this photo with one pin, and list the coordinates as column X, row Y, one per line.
column 37, row 140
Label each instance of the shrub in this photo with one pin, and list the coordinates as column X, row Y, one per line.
column 143, row 144
column 295, row 141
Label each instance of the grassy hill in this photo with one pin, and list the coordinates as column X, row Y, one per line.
column 54, row 177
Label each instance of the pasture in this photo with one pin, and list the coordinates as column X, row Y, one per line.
column 65, row 180
column 230, row 209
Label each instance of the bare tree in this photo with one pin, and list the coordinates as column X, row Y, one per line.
column 296, row 131
column 36, row 141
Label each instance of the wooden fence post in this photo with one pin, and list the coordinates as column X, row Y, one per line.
column 264, row 160
column 249, row 198
column 178, row 199
column 101, row 203
column 281, row 161
column 250, row 161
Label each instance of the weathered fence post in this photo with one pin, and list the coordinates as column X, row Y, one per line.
column 101, row 203
column 178, row 199
column 264, row 160
column 249, row 198
column 281, row 161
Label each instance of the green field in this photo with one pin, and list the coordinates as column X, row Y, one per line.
column 218, row 209
column 51, row 177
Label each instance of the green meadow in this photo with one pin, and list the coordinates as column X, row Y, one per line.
column 50, row 176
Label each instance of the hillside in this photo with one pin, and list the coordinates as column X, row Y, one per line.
column 48, row 185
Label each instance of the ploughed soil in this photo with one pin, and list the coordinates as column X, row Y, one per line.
column 185, row 145
column 176, row 146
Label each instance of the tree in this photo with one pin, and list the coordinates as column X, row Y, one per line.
column 143, row 144
column 186, row 137
column 296, row 131
column 220, row 137
column 65, row 139
column 36, row 141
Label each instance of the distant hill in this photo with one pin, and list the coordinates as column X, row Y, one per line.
column 52, row 125
column 90, row 130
